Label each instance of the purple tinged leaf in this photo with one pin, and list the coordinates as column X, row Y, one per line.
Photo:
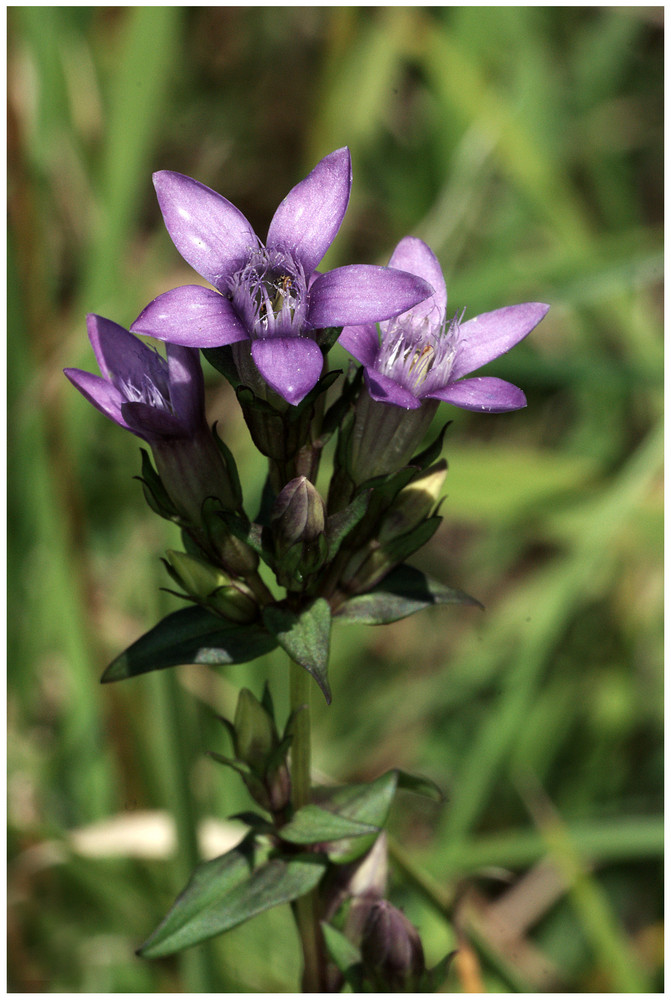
column 363, row 293
column 211, row 234
column 192, row 316
column 291, row 366
column 307, row 221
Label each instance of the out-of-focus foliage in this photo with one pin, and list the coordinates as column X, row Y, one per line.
column 524, row 145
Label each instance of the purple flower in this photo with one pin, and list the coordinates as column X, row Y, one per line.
column 423, row 355
column 269, row 298
column 162, row 401
column 138, row 389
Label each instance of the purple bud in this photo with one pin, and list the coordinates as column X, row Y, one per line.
column 391, row 948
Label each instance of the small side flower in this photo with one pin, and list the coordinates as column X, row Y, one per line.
column 421, row 357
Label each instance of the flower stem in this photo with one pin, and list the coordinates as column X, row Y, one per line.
column 306, row 909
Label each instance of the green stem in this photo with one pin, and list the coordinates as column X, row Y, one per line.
column 306, row 909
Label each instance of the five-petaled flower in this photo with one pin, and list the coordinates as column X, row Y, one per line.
column 162, row 401
column 269, row 298
column 423, row 354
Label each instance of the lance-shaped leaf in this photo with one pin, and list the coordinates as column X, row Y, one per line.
column 225, row 892
column 304, row 636
column 191, row 635
column 339, row 525
column 365, row 803
column 314, row 825
column 402, row 592
column 345, row 955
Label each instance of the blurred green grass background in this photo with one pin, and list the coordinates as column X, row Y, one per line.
column 524, row 144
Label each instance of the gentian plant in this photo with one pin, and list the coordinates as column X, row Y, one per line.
column 313, row 556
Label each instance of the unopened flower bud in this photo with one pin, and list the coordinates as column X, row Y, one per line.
column 298, row 520
column 257, row 744
column 298, row 514
column 255, row 733
column 212, row 587
column 391, row 948
column 414, row 503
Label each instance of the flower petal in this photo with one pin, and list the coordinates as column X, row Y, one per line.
column 101, row 393
column 415, row 256
column 385, row 390
column 211, row 234
column 363, row 293
column 486, row 394
column 291, row 366
column 362, row 342
column 122, row 358
column 307, row 221
column 187, row 385
column 192, row 316
column 149, row 421
column 491, row 334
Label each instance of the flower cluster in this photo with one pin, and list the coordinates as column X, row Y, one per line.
column 310, row 557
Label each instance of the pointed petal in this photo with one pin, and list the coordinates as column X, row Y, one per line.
column 192, row 316
column 187, row 385
column 123, row 358
column 491, row 334
column 101, row 393
column 487, row 395
column 307, row 221
column 362, row 342
column 415, row 256
column 151, row 421
column 363, row 293
column 291, row 366
column 385, row 390
column 211, row 234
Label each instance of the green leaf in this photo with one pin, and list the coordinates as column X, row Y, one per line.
column 344, row 954
column 190, row 635
column 402, row 592
column 314, row 825
column 421, row 786
column 432, row 452
column 305, row 637
column 225, row 892
column 367, row 803
column 339, row 525
column 154, row 490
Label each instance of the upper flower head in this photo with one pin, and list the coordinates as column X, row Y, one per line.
column 270, row 294
column 424, row 354
column 151, row 396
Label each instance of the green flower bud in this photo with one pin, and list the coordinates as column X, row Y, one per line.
column 255, row 734
column 257, row 745
column 213, row 587
column 414, row 503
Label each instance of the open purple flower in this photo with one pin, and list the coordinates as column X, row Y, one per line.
column 138, row 389
column 424, row 355
column 269, row 298
column 162, row 401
